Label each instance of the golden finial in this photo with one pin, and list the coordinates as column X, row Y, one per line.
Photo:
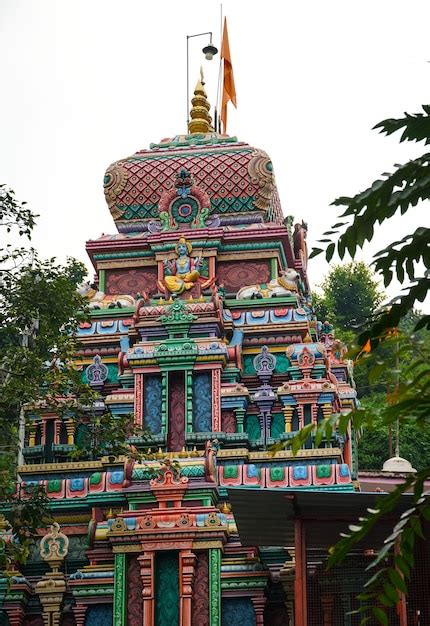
column 110, row 514
column 225, row 508
column 201, row 121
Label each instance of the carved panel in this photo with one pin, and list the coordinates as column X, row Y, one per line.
column 237, row 612
column 131, row 282
column 252, row 426
column 99, row 615
column 176, row 430
column 200, row 601
column 152, row 402
column 134, row 594
column 277, row 425
column 237, row 274
column 202, row 402
column 167, row 589
column 228, row 422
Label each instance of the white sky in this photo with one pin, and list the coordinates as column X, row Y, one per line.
column 87, row 82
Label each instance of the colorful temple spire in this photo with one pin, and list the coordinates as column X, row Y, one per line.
column 201, row 121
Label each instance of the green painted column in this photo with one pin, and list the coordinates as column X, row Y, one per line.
column 215, row 587
column 189, row 400
column 102, row 280
column 240, row 417
column 273, row 267
column 119, row 591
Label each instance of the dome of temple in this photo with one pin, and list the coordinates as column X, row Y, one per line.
column 226, row 176
column 192, row 180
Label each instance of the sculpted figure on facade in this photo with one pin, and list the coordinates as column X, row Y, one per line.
column 182, row 273
column 285, row 285
column 100, row 300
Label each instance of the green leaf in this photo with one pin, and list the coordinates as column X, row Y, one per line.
column 391, row 592
column 330, row 252
column 425, row 512
column 402, row 564
column 375, row 577
column 396, row 580
column 381, row 555
column 416, row 525
column 380, row 615
column 315, row 252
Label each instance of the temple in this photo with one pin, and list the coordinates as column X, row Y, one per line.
column 202, row 327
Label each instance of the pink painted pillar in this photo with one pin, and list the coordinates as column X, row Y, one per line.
column 138, row 399
column 300, row 412
column 15, row 614
column 57, row 429
column 216, row 400
column 327, row 605
column 259, row 603
column 314, row 412
column 187, row 565
column 300, row 580
column 43, row 432
column 79, row 611
column 146, row 561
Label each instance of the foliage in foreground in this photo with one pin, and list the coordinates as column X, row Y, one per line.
column 409, row 403
column 40, row 310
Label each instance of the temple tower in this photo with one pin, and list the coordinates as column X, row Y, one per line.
column 202, row 327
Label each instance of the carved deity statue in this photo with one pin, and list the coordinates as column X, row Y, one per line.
column 183, row 272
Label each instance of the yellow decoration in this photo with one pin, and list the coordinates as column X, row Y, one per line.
column 201, row 121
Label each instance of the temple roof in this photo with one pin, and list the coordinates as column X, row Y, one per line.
column 226, row 176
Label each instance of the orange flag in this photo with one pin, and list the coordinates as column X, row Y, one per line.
column 228, row 88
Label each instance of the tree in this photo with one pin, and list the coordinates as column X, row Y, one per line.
column 410, row 401
column 40, row 309
column 349, row 292
column 374, row 444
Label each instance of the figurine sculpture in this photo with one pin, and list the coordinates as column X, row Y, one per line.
column 182, row 273
column 100, row 300
column 284, row 285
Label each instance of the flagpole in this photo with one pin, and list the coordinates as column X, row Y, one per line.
column 188, row 88
column 218, row 130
